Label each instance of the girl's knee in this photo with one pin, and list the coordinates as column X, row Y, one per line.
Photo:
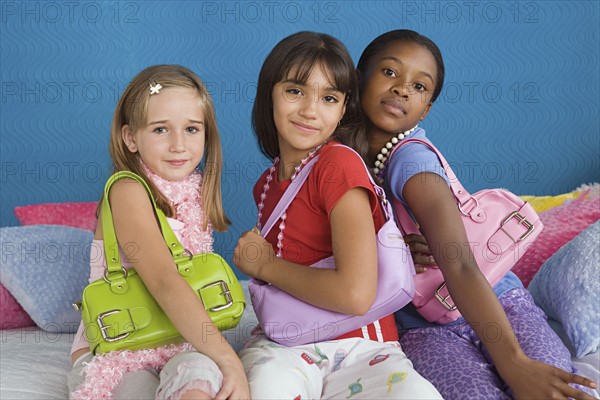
column 189, row 375
column 277, row 379
column 275, row 373
column 195, row 395
column 137, row 385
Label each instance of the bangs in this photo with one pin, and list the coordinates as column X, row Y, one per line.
column 138, row 108
column 336, row 69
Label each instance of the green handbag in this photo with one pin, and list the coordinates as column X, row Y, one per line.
column 118, row 311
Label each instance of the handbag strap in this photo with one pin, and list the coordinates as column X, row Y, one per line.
column 461, row 195
column 114, row 269
column 297, row 183
column 287, row 197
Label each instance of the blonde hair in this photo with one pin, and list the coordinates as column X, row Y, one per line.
column 132, row 110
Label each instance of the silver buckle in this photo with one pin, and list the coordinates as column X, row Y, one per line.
column 523, row 221
column 225, row 293
column 107, row 273
column 103, row 328
column 444, row 299
column 460, row 206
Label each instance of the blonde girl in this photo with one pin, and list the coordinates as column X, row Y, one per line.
column 163, row 128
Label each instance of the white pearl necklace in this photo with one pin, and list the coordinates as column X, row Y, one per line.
column 380, row 161
column 266, row 187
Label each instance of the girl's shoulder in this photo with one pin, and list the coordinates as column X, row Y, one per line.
column 129, row 194
column 338, row 163
column 340, row 153
column 415, row 148
column 127, row 187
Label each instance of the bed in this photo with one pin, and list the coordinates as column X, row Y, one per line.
column 34, row 362
column 44, row 268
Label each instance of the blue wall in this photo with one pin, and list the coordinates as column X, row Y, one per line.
column 520, row 108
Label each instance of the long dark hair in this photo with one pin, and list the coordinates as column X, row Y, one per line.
column 301, row 52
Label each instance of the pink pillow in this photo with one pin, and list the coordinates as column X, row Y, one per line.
column 561, row 224
column 78, row 215
column 12, row 314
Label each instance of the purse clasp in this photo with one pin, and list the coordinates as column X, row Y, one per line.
column 104, row 328
column 225, row 293
column 522, row 220
column 444, row 299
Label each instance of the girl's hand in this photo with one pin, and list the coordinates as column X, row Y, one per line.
column 535, row 380
column 252, row 253
column 420, row 252
column 235, row 383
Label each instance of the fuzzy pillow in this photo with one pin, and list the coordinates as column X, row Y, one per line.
column 12, row 314
column 45, row 268
column 76, row 214
column 543, row 203
column 567, row 288
column 561, row 224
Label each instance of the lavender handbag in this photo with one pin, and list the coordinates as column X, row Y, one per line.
column 291, row 322
column 500, row 227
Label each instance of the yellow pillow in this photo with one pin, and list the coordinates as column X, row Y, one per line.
column 543, row 203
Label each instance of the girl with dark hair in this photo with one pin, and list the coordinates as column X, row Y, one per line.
column 306, row 104
column 401, row 73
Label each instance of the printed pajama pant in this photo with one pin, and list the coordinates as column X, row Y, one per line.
column 349, row 368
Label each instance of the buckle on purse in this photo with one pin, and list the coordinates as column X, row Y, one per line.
column 444, row 299
column 104, row 328
column 225, row 293
column 107, row 273
column 522, row 220
column 461, row 205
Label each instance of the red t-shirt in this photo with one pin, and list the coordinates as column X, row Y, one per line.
column 307, row 234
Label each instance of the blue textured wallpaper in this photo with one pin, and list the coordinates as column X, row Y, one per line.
column 520, row 108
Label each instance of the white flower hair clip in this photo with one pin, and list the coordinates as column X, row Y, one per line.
column 154, row 86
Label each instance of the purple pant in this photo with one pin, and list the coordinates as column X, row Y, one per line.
column 456, row 362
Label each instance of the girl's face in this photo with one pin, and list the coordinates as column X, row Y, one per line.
column 171, row 144
column 307, row 114
column 397, row 86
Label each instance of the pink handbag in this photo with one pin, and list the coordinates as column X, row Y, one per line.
column 291, row 322
column 500, row 227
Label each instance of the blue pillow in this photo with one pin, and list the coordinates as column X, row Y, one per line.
column 567, row 288
column 45, row 268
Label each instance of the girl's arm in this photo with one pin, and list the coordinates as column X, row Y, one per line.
column 350, row 288
column 434, row 208
column 137, row 228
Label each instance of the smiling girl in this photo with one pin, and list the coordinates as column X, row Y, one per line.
column 163, row 127
column 306, row 103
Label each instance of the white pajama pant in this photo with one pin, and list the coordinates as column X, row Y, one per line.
column 342, row 369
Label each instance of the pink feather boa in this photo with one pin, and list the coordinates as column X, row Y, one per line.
column 185, row 196
column 106, row 371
